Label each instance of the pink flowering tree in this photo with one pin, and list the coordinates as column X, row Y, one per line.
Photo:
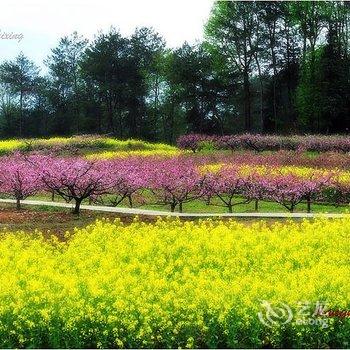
column 125, row 178
column 193, row 142
column 338, row 190
column 174, row 182
column 255, row 188
column 19, row 178
column 75, row 179
column 314, row 187
column 289, row 190
column 230, row 142
column 257, row 142
column 226, row 185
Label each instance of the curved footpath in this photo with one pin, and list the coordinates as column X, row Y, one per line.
column 147, row 212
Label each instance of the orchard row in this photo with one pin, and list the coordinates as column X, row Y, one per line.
column 172, row 182
column 257, row 142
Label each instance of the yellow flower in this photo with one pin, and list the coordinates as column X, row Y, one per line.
column 169, row 283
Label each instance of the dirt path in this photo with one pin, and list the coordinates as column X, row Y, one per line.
column 156, row 213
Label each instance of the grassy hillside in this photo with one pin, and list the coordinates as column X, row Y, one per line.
column 86, row 144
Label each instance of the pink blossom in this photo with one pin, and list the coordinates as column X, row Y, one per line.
column 19, row 177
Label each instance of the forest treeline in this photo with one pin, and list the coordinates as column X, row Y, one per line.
column 268, row 67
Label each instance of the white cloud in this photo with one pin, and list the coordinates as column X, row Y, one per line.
column 43, row 22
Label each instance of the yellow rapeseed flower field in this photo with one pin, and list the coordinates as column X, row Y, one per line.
column 10, row 145
column 173, row 284
column 302, row 172
column 88, row 142
column 137, row 153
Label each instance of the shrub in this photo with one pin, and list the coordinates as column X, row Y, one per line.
column 207, row 145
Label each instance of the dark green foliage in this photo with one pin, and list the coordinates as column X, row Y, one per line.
column 271, row 67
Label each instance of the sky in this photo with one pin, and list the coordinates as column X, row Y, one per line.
column 35, row 26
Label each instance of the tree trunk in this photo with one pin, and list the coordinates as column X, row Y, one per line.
column 261, row 93
column 18, row 204
column 292, row 208
column 21, row 113
column 230, row 208
column 292, row 117
column 274, row 68
column 120, row 121
column 180, row 207
column 314, row 118
column 76, row 210
column 99, row 121
column 75, row 101
column 274, row 102
column 256, row 205
column 172, row 122
column 52, row 196
column 308, row 201
column 247, row 116
column 110, row 115
column 172, row 207
column 304, row 46
column 130, row 201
